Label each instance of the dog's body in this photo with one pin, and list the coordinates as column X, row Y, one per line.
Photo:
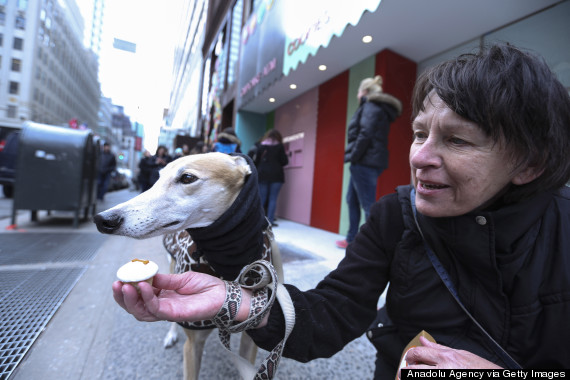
column 206, row 206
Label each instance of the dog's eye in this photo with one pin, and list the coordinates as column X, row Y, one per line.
column 187, row 178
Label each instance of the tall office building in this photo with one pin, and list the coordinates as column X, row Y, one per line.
column 46, row 73
column 93, row 12
column 184, row 103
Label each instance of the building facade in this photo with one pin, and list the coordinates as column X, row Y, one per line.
column 93, row 35
column 46, row 74
column 296, row 66
column 184, row 111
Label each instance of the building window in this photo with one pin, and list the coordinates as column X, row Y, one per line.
column 12, row 111
column 20, row 22
column 1, row 39
column 14, row 88
column 235, row 41
column 18, row 43
column 16, row 64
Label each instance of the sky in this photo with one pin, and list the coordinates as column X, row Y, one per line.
column 141, row 81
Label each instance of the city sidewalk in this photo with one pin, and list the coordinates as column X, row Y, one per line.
column 90, row 337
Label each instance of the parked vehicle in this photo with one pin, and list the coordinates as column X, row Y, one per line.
column 8, row 156
column 118, row 181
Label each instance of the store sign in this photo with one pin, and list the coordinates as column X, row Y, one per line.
column 250, row 85
column 262, row 41
column 281, row 34
column 310, row 25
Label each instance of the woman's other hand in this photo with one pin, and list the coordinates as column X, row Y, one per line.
column 432, row 355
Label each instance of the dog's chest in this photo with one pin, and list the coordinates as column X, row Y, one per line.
column 181, row 247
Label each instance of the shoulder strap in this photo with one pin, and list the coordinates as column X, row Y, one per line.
column 442, row 273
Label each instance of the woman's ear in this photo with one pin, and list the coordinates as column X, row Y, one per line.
column 527, row 175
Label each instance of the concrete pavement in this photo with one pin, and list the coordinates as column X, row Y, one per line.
column 90, row 337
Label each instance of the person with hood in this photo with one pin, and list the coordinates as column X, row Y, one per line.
column 227, row 142
column 367, row 149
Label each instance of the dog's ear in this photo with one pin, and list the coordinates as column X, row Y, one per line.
column 242, row 164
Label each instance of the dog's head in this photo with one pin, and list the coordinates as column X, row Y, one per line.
column 192, row 191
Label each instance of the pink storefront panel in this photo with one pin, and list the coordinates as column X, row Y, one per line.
column 297, row 122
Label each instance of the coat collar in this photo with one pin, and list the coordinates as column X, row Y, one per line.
column 382, row 97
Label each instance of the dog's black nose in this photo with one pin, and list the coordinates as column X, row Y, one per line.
column 109, row 224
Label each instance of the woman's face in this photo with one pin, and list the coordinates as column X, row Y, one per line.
column 456, row 168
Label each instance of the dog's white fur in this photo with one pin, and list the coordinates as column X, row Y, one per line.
column 192, row 191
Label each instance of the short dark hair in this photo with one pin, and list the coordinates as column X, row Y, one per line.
column 514, row 97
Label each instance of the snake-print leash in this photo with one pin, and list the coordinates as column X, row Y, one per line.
column 261, row 278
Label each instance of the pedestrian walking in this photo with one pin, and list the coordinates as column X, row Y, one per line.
column 269, row 157
column 367, row 149
column 107, row 163
column 159, row 161
column 145, row 170
column 227, row 142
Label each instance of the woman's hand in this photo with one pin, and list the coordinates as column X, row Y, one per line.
column 432, row 355
column 186, row 297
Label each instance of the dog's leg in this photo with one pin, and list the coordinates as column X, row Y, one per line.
column 247, row 349
column 193, row 349
column 172, row 336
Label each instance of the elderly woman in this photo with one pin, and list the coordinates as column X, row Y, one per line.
column 488, row 204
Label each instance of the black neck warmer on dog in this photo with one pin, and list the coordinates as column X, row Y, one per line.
column 235, row 239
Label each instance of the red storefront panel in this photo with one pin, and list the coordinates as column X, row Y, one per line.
column 329, row 153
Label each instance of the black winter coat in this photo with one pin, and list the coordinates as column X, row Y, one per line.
column 145, row 169
column 369, row 128
column 270, row 160
column 155, row 167
column 511, row 268
column 107, row 163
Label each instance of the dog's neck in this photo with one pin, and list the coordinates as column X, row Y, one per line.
column 235, row 239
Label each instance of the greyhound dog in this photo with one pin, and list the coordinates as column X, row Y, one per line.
column 207, row 208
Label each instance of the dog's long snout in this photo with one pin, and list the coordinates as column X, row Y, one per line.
column 107, row 224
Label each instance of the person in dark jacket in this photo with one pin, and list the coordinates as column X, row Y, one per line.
column 487, row 200
column 159, row 161
column 107, row 163
column 270, row 158
column 367, row 149
column 146, row 164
